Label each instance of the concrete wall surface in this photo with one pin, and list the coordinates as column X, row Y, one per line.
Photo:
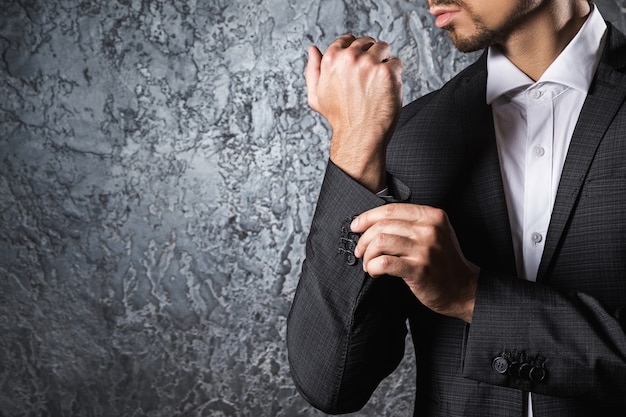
column 159, row 168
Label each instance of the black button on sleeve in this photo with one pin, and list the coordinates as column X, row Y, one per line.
column 514, row 369
column 537, row 374
column 500, row 365
column 348, row 241
column 524, row 371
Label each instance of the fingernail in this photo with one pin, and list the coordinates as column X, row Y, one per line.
column 354, row 224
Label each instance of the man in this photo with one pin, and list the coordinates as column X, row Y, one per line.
column 491, row 214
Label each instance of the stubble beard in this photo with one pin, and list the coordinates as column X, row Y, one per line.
column 484, row 36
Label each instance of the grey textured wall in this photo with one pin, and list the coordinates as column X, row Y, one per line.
column 158, row 174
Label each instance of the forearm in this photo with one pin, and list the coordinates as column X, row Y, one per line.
column 345, row 331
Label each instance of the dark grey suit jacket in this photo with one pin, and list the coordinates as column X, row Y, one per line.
column 346, row 331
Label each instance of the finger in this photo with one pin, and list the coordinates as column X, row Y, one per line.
column 396, row 211
column 395, row 62
column 364, row 43
column 387, row 244
column 378, row 232
column 381, row 50
column 342, row 41
column 312, row 75
column 388, row 265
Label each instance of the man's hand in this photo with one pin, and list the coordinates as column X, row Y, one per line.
column 418, row 244
column 357, row 86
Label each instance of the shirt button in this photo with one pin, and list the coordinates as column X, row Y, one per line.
column 536, row 94
column 539, row 151
column 536, row 237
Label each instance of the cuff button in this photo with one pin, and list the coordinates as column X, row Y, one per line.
column 500, row 365
column 537, row 374
column 514, row 369
column 524, row 370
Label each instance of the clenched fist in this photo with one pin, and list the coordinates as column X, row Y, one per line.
column 357, row 86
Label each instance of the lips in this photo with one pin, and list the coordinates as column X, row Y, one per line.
column 443, row 15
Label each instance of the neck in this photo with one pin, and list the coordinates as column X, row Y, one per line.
column 543, row 36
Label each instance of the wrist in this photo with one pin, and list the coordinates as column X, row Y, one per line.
column 365, row 166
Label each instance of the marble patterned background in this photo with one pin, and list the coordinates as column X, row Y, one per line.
column 159, row 169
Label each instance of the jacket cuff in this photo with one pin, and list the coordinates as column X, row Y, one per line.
column 498, row 348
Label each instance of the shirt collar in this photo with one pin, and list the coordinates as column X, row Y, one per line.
column 574, row 67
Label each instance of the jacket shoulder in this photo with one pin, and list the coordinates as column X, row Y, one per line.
column 447, row 91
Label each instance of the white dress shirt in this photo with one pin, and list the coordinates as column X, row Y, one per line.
column 534, row 123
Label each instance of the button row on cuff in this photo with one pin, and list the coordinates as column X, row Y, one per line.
column 348, row 241
column 519, row 366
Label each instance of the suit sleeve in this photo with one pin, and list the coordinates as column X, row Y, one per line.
column 345, row 330
column 528, row 336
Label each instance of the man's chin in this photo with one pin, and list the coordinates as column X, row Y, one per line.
column 468, row 43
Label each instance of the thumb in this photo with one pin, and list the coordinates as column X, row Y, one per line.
column 312, row 75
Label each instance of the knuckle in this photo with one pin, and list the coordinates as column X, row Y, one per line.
column 438, row 216
column 350, row 56
column 389, row 209
column 381, row 240
column 339, row 57
column 383, row 226
column 364, row 40
column 386, row 263
column 329, row 57
column 369, row 61
column 383, row 44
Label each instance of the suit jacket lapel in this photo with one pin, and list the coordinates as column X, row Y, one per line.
column 606, row 95
column 486, row 177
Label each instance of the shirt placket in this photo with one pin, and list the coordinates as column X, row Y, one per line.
column 538, row 177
